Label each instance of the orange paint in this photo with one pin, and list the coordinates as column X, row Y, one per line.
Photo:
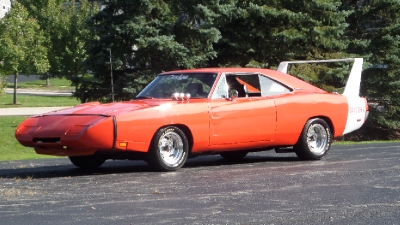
column 211, row 125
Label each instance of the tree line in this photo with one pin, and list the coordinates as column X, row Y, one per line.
column 141, row 38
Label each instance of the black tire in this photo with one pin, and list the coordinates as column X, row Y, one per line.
column 168, row 150
column 87, row 162
column 315, row 140
column 233, row 155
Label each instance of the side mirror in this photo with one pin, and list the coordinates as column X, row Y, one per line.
column 233, row 94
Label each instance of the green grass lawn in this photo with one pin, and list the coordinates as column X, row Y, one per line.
column 10, row 148
column 362, row 142
column 55, row 84
column 6, row 100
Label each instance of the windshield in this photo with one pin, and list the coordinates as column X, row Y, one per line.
column 198, row 85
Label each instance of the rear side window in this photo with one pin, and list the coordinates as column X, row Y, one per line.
column 270, row 87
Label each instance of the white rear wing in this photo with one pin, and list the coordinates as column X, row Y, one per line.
column 352, row 88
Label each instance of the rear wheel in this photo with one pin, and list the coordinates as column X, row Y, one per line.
column 315, row 140
column 233, row 155
column 87, row 162
column 168, row 150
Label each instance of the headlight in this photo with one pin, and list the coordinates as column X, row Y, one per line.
column 76, row 129
column 27, row 129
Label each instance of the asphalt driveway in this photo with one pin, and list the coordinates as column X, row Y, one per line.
column 356, row 184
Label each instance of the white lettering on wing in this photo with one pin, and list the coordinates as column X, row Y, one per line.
column 357, row 109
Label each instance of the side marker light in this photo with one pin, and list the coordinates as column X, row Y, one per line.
column 122, row 144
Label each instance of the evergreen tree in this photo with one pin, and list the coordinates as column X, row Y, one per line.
column 262, row 33
column 145, row 37
column 375, row 34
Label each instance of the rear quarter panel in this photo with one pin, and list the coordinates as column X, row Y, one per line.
column 294, row 110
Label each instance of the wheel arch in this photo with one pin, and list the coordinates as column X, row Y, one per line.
column 185, row 130
column 317, row 145
column 327, row 120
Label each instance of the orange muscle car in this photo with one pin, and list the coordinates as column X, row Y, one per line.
column 181, row 114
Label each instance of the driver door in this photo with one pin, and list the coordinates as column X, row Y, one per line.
column 240, row 120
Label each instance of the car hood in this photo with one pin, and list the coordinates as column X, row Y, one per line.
column 109, row 109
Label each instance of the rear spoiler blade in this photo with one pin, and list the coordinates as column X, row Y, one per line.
column 352, row 88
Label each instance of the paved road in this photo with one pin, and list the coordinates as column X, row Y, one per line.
column 28, row 111
column 40, row 92
column 356, row 184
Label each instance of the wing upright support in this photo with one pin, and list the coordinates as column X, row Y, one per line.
column 352, row 88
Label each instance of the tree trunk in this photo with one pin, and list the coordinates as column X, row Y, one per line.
column 3, row 85
column 15, row 87
column 48, row 80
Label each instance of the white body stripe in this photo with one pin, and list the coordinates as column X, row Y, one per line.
column 356, row 114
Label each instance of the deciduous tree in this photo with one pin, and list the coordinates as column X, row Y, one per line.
column 21, row 44
column 67, row 36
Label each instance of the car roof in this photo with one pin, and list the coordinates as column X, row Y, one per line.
column 284, row 78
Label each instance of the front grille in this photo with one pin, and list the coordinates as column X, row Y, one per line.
column 46, row 140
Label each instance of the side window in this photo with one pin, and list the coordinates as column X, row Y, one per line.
column 270, row 87
column 247, row 85
column 221, row 91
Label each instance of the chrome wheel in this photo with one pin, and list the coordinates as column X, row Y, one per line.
column 317, row 139
column 314, row 141
column 170, row 147
column 168, row 150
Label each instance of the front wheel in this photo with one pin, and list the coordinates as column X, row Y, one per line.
column 315, row 140
column 87, row 162
column 168, row 150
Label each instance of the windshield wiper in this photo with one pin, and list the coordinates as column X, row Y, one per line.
column 144, row 97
